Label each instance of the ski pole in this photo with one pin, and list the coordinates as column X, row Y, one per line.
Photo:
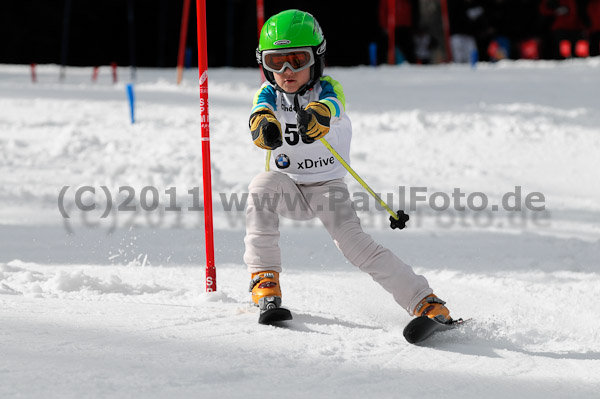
column 398, row 219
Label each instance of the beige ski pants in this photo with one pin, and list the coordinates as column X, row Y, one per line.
column 274, row 194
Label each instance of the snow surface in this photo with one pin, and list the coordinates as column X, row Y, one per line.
column 115, row 306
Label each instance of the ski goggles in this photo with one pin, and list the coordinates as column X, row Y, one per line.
column 296, row 59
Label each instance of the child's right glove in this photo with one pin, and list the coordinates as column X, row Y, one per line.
column 313, row 121
column 266, row 129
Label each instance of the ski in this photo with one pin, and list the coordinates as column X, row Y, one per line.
column 275, row 315
column 421, row 328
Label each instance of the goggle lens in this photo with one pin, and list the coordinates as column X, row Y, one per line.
column 296, row 59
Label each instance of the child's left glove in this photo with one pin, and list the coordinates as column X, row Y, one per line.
column 313, row 121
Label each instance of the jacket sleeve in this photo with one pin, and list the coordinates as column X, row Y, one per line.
column 332, row 95
column 265, row 97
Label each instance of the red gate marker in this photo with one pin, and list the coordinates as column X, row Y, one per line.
column 446, row 25
column 391, row 31
column 185, row 16
column 113, row 66
column 33, row 74
column 211, row 275
column 582, row 48
column 260, row 21
column 565, row 48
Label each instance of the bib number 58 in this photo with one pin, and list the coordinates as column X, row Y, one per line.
column 291, row 135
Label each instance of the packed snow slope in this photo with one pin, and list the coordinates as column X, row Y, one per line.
column 111, row 302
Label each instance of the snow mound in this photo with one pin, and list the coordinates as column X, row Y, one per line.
column 22, row 280
column 216, row 296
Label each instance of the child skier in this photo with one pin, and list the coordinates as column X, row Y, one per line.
column 291, row 112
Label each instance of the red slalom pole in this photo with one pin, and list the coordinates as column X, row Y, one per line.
column 33, row 75
column 260, row 21
column 113, row 67
column 185, row 16
column 446, row 26
column 391, row 31
column 211, row 273
column 260, row 15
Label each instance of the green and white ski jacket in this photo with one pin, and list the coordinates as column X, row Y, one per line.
column 308, row 163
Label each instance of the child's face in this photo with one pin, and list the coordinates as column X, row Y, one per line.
column 290, row 81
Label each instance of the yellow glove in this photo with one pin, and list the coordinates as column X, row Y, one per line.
column 266, row 129
column 313, row 121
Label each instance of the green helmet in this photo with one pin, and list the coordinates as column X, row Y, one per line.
column 291, row 29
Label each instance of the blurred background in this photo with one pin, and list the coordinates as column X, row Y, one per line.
column 147, row 32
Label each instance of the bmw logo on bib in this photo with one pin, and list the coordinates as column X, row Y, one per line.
column 282, row 161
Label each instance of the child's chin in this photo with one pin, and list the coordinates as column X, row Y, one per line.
column 289, row 90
